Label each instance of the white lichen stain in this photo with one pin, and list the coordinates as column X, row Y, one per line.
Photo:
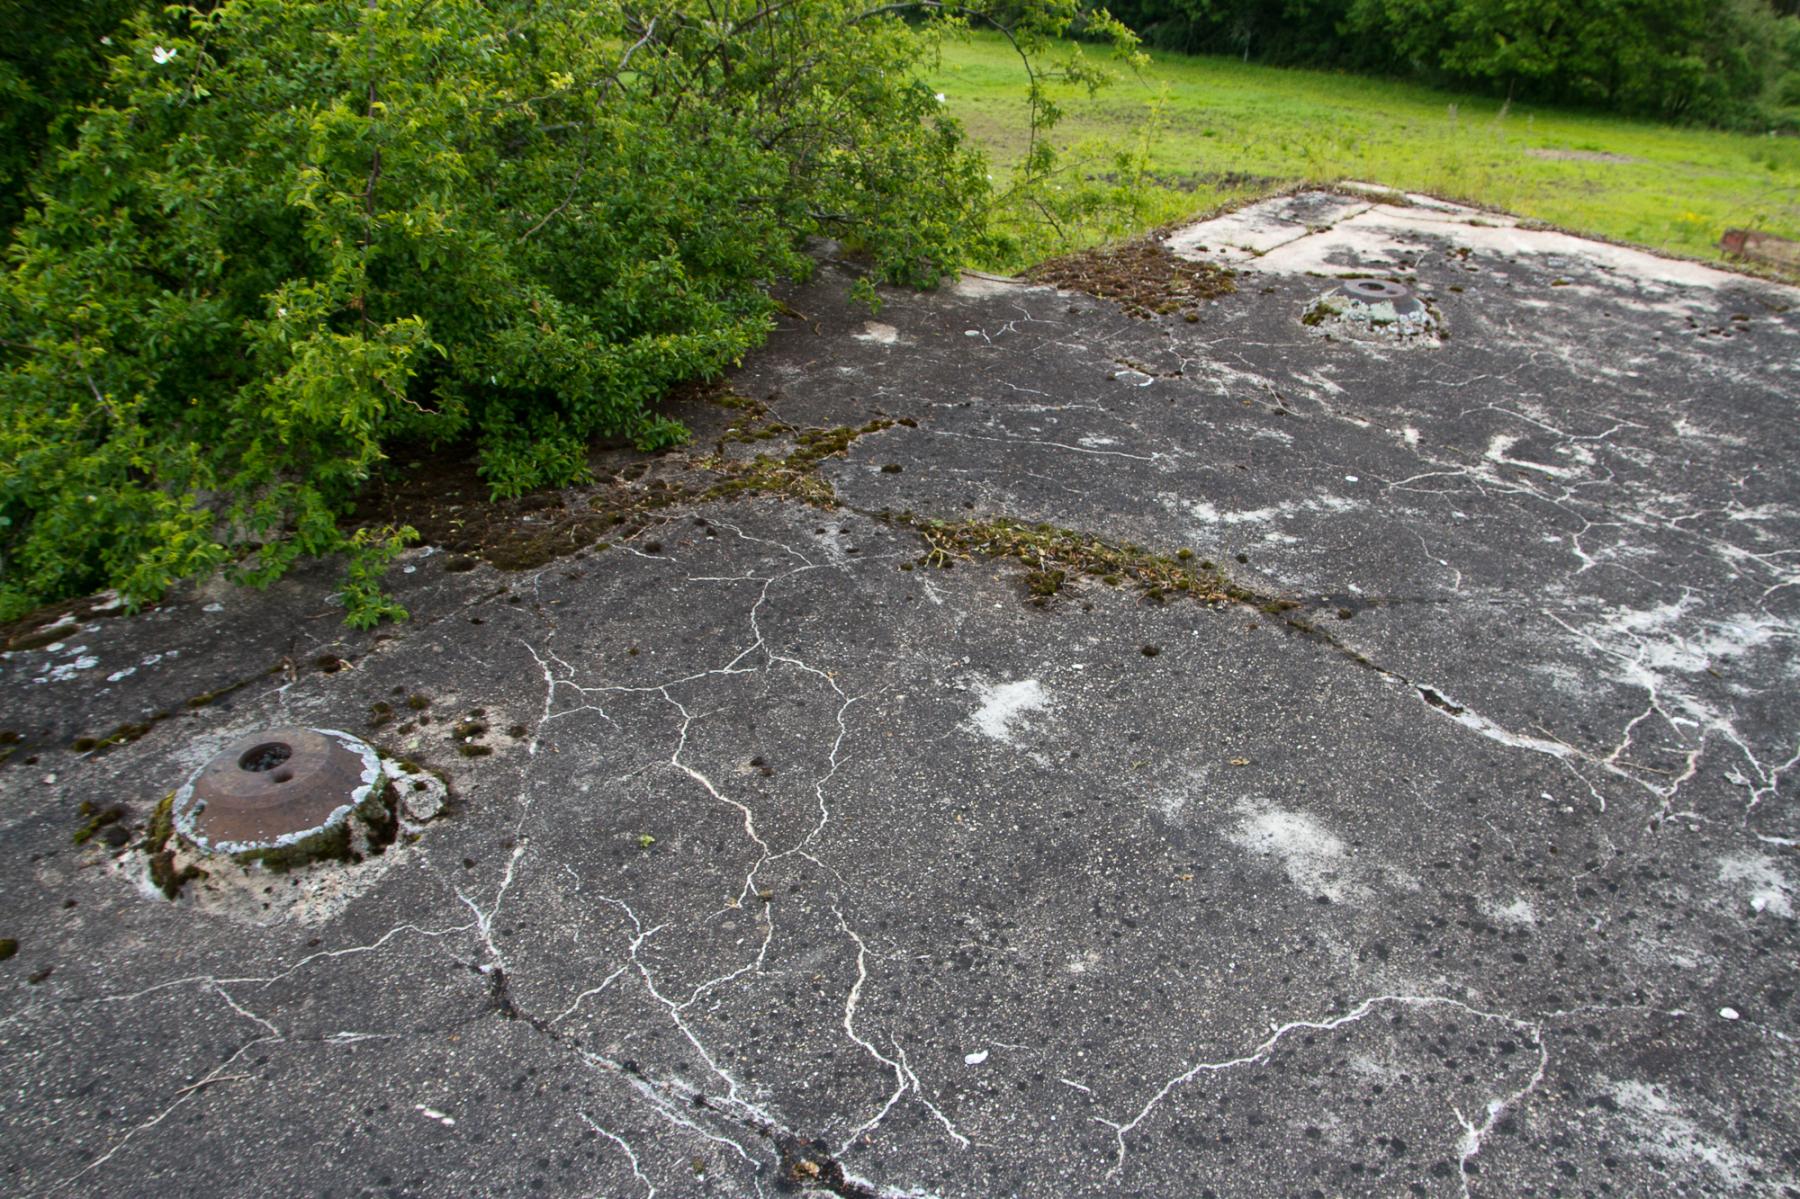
column 1005, row 704
column 1671, row 1134
column 1769, row 891
column 1209, row 514
column 1314, row 858
column 1517, row 914
column 79, row 660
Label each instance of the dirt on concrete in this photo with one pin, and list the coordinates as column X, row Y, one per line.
column 1141, row 275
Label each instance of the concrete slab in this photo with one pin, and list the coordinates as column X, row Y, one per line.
column 806, row 848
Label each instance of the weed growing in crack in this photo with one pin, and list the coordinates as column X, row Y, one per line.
column 1044, row 584
column 161, row 859
column 1051, row 555
column 97, row 819
column 795, row 476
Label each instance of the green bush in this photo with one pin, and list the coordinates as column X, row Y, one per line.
column 292, row 234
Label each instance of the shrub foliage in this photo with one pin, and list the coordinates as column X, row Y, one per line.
column 293, row 233
column 52, row 63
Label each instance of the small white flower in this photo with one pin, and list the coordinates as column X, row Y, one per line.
column 281, row 312
column 940, row 98
column 161, row 55
column 106, row 41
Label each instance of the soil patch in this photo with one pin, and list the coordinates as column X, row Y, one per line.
column 1554, row 154
column 751, row 452
column 441, row 495
column 1142, row 275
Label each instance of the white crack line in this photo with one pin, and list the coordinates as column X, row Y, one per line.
column 905, row 1079
column 213, row 982
column 732, row 1096
column 1701, row 723
column 576, row 1003
column 623, row 1144
column 1058, row 445
column 552, row 684
column 356, row 1038
column 1548, row 745
column 184, row 1095
column 550, row 666
column 1603, row 435
column 668, row 1109
column 766, row 853
column 1484, row 478
column 1473, row 1137
column 706, row 784
column 484, row 920
column 559, row 676
column 918, row 1090
column 851, row 999
column 1456, row 584
column 1770, row 778
column 1261, row 1053
column 274, row 1035
column 246, row 1013
column 1643, row 515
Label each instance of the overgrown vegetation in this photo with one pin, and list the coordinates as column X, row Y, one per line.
column 290, row 235
column 52, row 64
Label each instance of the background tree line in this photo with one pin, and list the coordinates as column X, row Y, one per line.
column 1726, row 62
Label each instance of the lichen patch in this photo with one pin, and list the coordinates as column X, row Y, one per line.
column 1005, row 704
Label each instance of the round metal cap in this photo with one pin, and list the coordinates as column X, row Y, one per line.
column 276, row 788
column 1374, row 291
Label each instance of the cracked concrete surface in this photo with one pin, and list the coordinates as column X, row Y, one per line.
column 1472, row 873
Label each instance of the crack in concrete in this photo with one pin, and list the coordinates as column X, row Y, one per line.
column 732, row 1111
column 559, row 676
column 1473, row 1136
column 803, row 1161
column 625, row 1147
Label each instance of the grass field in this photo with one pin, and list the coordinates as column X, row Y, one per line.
column 1224, row 131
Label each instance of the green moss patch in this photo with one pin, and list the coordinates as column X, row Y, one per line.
column 1052, row 555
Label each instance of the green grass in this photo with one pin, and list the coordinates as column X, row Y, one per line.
column 1227, row 131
